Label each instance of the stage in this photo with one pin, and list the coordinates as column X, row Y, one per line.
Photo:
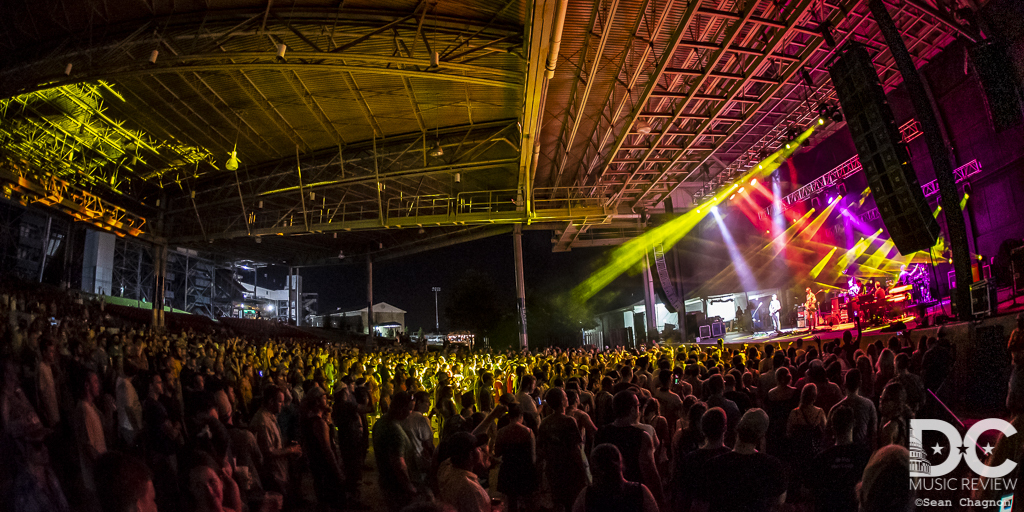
column 787, row 336
column 1007, row 307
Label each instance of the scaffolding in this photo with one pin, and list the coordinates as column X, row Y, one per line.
column 190, row 282
column 133, row 270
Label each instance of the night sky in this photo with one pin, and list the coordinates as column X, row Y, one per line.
column 406, row 282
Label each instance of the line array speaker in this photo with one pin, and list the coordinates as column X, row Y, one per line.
column 883, row 155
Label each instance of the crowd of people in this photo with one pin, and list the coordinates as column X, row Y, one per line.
column 100, row 414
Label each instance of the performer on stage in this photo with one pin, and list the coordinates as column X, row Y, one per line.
column 773, row 309
column 879, row 292
column 904, row 277
column 811, row 309
column 854, row 286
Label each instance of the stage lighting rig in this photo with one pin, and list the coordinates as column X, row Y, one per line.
column 792, row 133
column 829, row 110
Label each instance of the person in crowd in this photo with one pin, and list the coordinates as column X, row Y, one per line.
column 560, row 447
column 805, row 427
column 391, row 447
column 458, row 484
column 587, row 428
column 883, row 486
column 49, row 406
column 913, row 385
column 124, row 484
column 276, row 455
column 671, row 403
column 635, row 445
column 865, row 415
column 780, row 402
column 763, row 476
column 421, row 436
column 1015, row 346
column 517, row 448
column 657, row 427
column 833, row 474
column 895, row 421
column 689, row 437
column 716, row 398
column 611, row 492
column 689, row 468
column 319, row 449
column 89, row 431
column 526, row 401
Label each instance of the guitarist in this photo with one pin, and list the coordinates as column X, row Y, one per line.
column 811, row 309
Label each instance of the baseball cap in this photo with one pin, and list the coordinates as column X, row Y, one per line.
column 462, row 444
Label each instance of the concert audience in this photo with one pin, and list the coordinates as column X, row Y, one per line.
column 101, row 413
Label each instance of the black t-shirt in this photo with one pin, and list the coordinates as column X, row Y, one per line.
column 734, row 482
column 688, row 471
column 833, row 477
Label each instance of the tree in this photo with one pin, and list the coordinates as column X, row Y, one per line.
column 474, row 304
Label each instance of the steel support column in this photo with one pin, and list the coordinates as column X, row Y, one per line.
column 159, row 284
column 369, row 296
column 517, row 248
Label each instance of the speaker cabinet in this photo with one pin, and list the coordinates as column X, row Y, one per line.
column 883, row 155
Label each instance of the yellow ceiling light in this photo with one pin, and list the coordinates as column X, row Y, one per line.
column 232, row 163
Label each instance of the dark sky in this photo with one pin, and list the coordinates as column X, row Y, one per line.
column 406, row 282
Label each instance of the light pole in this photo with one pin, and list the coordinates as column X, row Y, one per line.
column 437, row 319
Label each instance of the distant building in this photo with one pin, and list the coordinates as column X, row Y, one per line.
column 388, row 321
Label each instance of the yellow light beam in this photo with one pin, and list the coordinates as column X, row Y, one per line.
column 821, row 264
column 881, row 255
column 632, row 252
column 818, row 221
column 857, row 250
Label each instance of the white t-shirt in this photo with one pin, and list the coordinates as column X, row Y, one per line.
column 417, row 427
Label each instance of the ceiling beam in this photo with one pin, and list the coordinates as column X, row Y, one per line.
column 652, row 83
column 730, row 35
column 835, row 19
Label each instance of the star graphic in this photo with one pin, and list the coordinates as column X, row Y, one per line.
column 937, row 449
column 987, row 449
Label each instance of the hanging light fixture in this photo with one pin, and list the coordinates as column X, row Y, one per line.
column 643, row 127
column 232, row 163
column 436, row 150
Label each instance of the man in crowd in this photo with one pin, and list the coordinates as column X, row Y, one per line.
column 634, row 443
column 391, row 447
column 268, row 435
column 561, row 447
column 457, row 479
column 684, row 483
column 743, row 479
column 865, row 424
column 834, row 473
